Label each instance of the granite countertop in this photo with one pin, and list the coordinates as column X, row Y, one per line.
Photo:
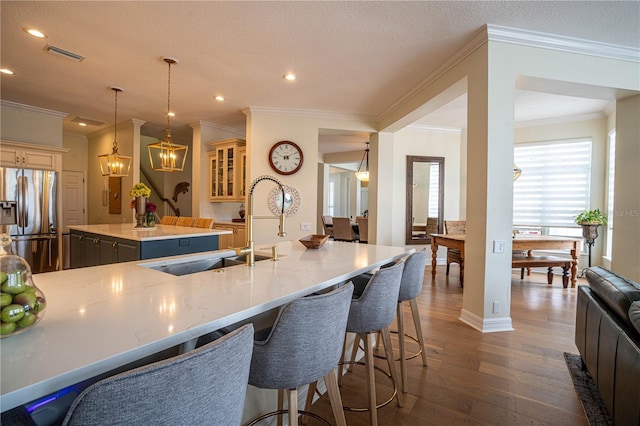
column 103, row 317
column 162, row 232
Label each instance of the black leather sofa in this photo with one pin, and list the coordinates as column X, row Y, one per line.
column 608, row 339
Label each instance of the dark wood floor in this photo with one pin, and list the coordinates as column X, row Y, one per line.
column 507, row 378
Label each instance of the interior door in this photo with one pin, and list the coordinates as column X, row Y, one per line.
column 73, row 195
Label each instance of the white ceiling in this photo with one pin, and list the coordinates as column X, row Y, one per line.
column 353, row 58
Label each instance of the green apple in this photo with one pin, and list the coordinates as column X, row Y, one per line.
column 27, row 320
column 12, row 313
column 14, row 283
column 26, row 299
column 3, row 277
column 7, row 328
column 39, row 305
column 30, row 289
column 5, row 299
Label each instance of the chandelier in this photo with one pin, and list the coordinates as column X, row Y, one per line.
column 164, row 155
column 114, row 164
column 363, row 176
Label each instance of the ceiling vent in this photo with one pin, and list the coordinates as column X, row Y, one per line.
column 88, row 121
column 64, row 53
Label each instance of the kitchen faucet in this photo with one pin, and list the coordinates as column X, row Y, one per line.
column 249, row 248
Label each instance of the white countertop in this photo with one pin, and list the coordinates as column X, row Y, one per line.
column 162, row 232
column 103, row 317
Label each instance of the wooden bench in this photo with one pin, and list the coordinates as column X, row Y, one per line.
column 550, row 262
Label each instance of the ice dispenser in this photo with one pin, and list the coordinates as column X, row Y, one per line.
column 8, row 213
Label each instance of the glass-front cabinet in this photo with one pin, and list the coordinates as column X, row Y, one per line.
column 227, row 170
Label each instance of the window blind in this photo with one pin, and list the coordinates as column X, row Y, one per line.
column 554, row 185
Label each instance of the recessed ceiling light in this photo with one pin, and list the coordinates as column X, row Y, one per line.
column 35, row 33
column 219, row 98
column 82, row 124
column 6, row 71
column 171, row 114
column 289, row 76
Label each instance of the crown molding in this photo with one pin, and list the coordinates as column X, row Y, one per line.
column 35, row 109
column 308, row 114
column 561, row 43
column 207, row 124
column 436, row 129
column 560, row 120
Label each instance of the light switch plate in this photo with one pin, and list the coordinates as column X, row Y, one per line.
column 304, row 226
column 498, row 246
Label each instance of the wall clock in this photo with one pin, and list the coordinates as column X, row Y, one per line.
column 285, row 157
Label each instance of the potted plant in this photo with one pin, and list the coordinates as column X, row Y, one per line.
column 590, row 220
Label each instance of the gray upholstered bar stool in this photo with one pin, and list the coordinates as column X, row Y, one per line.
column 410, row 289
column 371, row 313
column 204, row 386
column 303, row 346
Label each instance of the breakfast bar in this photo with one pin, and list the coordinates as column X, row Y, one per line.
column 105, row 317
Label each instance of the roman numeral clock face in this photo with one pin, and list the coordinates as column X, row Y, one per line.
column 285, row 157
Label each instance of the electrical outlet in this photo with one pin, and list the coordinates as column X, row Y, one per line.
column 496, row 307
column 304, row 226
column 498, row 246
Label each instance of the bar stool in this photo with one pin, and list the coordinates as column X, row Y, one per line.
column 204, row 386
column 410, row 289
column 373, row 311
column 304, row 345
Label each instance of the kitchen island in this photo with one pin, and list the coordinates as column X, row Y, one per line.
column 103, row 244
column 105, row 317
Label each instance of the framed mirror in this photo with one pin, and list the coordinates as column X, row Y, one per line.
column 425, row 198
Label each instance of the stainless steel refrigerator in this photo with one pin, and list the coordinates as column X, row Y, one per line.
column 28, row 212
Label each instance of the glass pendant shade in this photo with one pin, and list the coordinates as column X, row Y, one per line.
column 115, row 164
column 164, row 155
column 363, row 175
column 517, row 171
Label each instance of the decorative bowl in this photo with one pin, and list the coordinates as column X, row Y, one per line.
column 314, row 241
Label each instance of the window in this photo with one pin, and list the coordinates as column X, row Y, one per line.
column 331, row 200
column 434, row 189
column 611, row 169
column 554, row 185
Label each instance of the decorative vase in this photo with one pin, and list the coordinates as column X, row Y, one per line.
column 141, row 212
column 151, row 219
column 241, row 212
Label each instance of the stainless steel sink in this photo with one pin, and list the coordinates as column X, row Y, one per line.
column 186, row 267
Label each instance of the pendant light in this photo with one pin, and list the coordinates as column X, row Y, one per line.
column 164, row 155
column 114, row 164
column 517, row 171
column 363, row 176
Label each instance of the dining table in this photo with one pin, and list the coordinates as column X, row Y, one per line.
column 520, row 242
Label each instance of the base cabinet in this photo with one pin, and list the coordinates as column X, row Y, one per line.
column 88, row 249
column 236, row 239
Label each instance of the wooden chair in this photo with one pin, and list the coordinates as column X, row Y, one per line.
column 363, row 229
column 432, row 225
column 184, row 221
column 327, row 223
column 342, row 230
column 454, row 227
column 168, row 220
column 202, row 222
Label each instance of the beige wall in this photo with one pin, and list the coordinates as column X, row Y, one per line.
column 29, row 124
column 76, row 158
column 415, row 141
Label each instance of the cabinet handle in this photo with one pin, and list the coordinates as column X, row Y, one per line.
column 114, row 245
column 81, row 238
column 96, row 241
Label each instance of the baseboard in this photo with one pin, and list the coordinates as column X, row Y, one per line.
column 486, row 325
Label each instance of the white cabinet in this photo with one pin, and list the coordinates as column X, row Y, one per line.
column 227, row 170
column 15, row 154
